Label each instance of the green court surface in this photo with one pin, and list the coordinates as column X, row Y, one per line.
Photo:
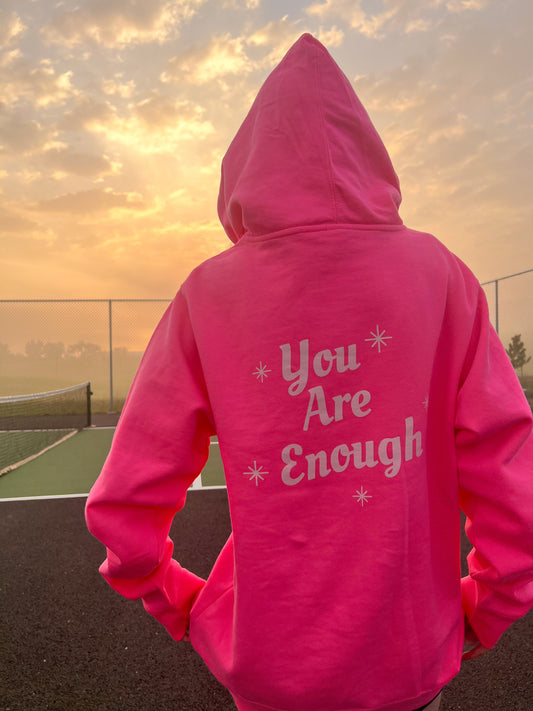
column 71, row 468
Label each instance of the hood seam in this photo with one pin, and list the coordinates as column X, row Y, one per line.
column 318, row 227
column 325, row 141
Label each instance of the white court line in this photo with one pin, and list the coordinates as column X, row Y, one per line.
column 51, row 496
column 196, row 486
column 81, row 496
column 92, row 428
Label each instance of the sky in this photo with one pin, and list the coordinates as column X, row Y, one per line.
column 115, row 115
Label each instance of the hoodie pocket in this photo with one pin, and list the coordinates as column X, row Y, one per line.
column 211, row 634
column 218, row 583
column 211, row 618
column 207, row 598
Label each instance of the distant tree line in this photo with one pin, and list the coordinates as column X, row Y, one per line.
column 57, row 351
column 85, row 351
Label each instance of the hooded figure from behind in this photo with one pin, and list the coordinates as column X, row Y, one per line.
column 349, row 370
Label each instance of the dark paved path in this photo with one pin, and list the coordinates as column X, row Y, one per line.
column 69, row 643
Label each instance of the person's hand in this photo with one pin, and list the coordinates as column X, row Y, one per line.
column 472, row 648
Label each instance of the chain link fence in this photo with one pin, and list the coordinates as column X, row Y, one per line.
column 50, row 344
column 511, row 312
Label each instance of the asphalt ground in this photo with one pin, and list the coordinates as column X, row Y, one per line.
column 70, row 643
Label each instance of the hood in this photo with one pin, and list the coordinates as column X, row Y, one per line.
column 306, row 154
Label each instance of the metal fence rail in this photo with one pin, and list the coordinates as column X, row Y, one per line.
column 47, row 344
column 496, row 283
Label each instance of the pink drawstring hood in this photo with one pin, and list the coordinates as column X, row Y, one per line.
column 306, row 154
column 360, row 398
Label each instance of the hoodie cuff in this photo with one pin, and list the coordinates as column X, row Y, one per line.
column 172, row 605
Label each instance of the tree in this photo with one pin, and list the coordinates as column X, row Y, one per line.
column 5, row 353
column 34, row 350
column 54, row 351
column 517, row 353
column 84, row 351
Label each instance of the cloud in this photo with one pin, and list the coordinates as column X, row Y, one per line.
column 65, row 160
column 418, row 25
column 444, row 117
column 226, row 57
column 13, row 223
column 223, row 55
column 232, row 60
column 278, row 36
column 11, row 26
column 19, row 135
column 449, row 91
column 91, row 201
column 330, row 38
column 88, row 113
column 353, row 13
column 404, row 16
column 116, row 87
column 239, row 4
column 160, row 111
column 157, row 125
column 154, row 124
column 463, row 5
column 38, row 84
column 119, row 23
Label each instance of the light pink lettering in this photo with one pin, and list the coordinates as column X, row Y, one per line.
column 359, row 400
column 316, row 395
column 302, row 372
column 286, row 476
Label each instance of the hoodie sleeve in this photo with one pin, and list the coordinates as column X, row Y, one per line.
column 160, row 446
column 495, row 465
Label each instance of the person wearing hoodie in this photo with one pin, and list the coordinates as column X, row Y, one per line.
column 360, row 397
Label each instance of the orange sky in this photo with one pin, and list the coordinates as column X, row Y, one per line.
column 114, row 117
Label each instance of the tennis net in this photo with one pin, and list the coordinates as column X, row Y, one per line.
column 32, row 424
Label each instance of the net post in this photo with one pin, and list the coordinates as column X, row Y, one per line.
column 89, row 414
column 496, row 312
column 111, row 409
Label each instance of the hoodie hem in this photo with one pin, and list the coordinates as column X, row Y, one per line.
column 406, row 705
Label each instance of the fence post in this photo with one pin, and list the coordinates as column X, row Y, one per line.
column 496, row 315
column 110, row 356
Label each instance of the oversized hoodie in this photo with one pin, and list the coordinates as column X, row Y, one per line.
column 360, row 397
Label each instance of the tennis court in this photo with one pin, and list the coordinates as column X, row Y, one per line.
column 71, row 467
column 49, row 445
column 69, row 643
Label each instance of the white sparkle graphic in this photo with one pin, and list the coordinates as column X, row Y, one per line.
column 262, row 371
column 362, row 496
column 255, row 473
column 426, row 402
column 378, row 339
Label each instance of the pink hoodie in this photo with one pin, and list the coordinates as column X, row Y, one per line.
column 360, row 397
